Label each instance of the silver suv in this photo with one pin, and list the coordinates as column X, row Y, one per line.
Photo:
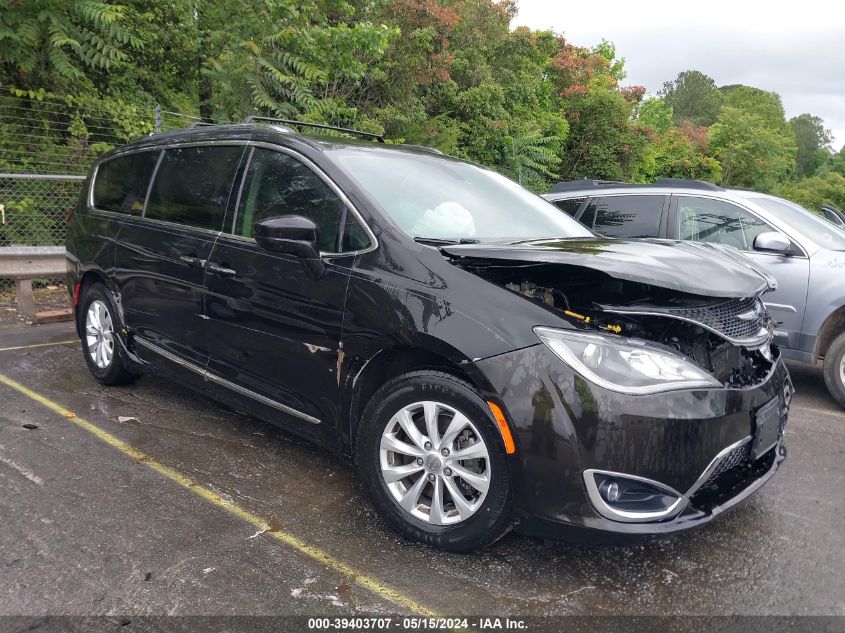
column 805, row 253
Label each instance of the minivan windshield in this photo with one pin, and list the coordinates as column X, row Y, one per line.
column 806, row 222
column 435, row 198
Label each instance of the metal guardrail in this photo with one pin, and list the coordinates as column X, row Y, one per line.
column 25, row 263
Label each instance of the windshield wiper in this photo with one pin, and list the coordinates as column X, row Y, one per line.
column 442, row 241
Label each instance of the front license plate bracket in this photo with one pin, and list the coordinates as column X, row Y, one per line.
column 766, row 429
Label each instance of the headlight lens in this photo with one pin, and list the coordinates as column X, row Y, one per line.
column 625, row 365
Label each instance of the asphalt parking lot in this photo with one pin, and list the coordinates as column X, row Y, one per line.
column 157, row 507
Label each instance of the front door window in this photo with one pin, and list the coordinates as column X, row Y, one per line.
column 709, row 220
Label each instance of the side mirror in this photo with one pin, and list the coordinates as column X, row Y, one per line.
column 294, row 235
column 772, row 242
column 291, row 234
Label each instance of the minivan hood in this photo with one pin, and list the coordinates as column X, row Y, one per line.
column 695, row 268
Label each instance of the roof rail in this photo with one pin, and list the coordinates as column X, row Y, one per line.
column 201, row 124
column 578, row 185
column 687, row 184
column 320, row 126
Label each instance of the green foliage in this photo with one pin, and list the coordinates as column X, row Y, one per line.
column 813, row 142
column 693, row 96
column 766, row 105
column 751, row 153
column 530, row 157
column 59, row 44
column 656, row 114
column 815, row 191
column 837, row 162
column 673, row 155
column 602, row 143
column 448, row 74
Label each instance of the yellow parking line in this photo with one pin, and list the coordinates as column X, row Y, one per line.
column 11, row 349
column 373, row 585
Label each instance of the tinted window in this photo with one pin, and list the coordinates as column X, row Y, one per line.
column 707, row 220
column 570, row 206
column 832, row 217
column 354, row 237
column 121, row 183
column 278, row 184
column 625, row 216
column 192, row 185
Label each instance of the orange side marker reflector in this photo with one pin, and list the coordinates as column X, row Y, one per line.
column 510, row 447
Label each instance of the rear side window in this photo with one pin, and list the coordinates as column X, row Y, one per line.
column 192, row 185
column 625, row 216
column 570, row 206
column 121, row 183
column 278, row 184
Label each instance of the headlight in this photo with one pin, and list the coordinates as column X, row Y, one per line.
column 625, row 365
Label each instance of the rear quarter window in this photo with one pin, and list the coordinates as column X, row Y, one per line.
column 120, row 184
column 570, row 206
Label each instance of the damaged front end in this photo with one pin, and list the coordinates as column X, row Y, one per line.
column 670, row 402
column 730, row 338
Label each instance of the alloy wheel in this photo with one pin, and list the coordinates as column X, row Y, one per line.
column 99, row 334
column 435, row 463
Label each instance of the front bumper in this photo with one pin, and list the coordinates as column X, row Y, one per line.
column 564, row 425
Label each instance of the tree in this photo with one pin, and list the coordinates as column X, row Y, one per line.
column 673, row 155
column 767, row 105
column 601, row 144
column 813, row 142
column 752, row 155
column 815, row 191
column 54, row 44
column 693, row 96
column 284, row 58
column 530, row 158
column 656, row 114
column 837, row 162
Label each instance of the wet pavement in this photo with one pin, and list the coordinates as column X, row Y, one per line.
column 86, row 529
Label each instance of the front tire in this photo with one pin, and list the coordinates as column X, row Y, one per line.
column 434, row 463
column 834, row 369
column 100, row 345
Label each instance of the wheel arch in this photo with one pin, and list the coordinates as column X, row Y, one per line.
column 88, row 277
column 393, row 361
column 833, row 325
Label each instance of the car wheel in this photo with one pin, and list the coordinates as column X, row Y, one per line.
column 834, row 369
column 100, row 346
column 434, row 463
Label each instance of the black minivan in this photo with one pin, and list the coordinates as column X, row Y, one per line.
column 485, row 360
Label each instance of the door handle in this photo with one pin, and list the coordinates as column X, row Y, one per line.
column 191, row 261
column 220, row 270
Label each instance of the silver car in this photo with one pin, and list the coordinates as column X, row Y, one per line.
column 804, row 252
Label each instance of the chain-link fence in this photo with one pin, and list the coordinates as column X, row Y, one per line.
column 46, row 148
column 34, row 208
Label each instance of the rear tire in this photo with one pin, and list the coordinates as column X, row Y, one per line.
column 434, row 503
column 99, row 326
column 834, row 369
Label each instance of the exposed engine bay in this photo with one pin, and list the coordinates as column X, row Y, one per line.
column 730, row 338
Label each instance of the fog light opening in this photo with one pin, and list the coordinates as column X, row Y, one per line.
column 629, row 498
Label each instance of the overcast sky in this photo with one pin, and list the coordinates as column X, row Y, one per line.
column 796, row 49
